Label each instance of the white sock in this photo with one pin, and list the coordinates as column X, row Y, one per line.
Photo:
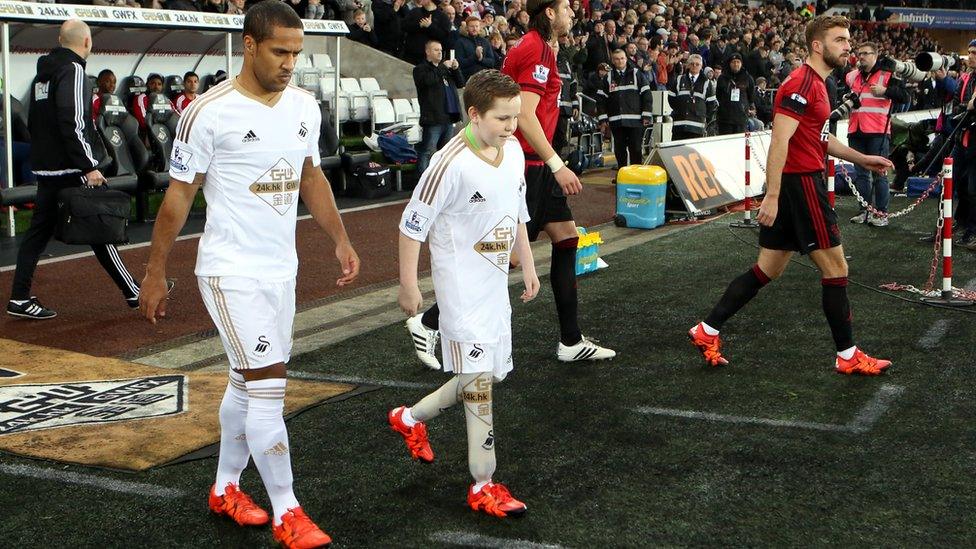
column 408, row 418
column 709, row 330
column 267, row 439
column 476, row 487
column 234, row 453
column 847, row 354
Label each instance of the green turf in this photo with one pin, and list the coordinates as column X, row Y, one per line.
column 593, row 472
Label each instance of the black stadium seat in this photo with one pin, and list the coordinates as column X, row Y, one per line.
column 120, row 132
column 173, row 86
column 162, row 127
column 128, row 88
column 206, row 81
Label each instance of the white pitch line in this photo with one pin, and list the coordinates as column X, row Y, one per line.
column 81, row 255
column 863, row 421
column 335, row 378
column 931, row 338
column 871, row 412
column 113, row 485
column 468, row 539
column 742, row 420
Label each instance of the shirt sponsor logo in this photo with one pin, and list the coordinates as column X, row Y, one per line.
column 541, row 74
column 415, row 223
column 278, row 187
column 50, row 405
column 496, row 246
column 180, row 159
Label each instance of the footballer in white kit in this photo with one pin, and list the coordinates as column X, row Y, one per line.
column 251, row 143
column 470, row 207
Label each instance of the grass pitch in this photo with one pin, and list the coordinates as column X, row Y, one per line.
column 593, row 471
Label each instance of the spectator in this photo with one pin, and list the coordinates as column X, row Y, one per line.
column 474, row 53
column 214, row 6
column 597, row 47
column 315, row 10
column 140, row 104
column 106, row 84
column 235, row 7
column 437, row 82
column 388, row 15
column 735, row 91
column 692, row 101
column 191, row 82
column 181, row 5
column 422, row 25
column 360, row 31
column 624, row 104
column 348, row 9
column 62, row 158
column 499, row 49
column 116, row 3
column 764, row 101
column 869, row 127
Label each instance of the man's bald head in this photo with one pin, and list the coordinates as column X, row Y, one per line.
column 76, row 36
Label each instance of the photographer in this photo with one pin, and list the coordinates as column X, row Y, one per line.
column 964, row 155
column 870, row 126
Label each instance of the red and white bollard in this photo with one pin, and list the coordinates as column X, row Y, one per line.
column 947, row 298
column 831, row 196
column 747, row 203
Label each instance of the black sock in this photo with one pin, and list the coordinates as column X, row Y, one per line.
column 837, row 309
column 431, row 318
column 740, row 291
column 562, row 276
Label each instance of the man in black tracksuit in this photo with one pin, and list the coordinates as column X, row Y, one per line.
column 692, row 101
column 61, row 155
column 735, row 91
column 624, row 101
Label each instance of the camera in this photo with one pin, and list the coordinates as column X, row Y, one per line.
column 851, row 101
column 931, row 61
column 905, row 71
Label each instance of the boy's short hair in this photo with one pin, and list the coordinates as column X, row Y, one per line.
column 358, row 12
column 485, row 86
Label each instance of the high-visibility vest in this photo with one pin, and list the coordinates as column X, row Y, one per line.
column 872, row 115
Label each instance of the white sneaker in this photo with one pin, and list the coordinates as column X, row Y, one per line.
column 586, row 349
column 878, row 221
column 425, row 342
column 860, row 218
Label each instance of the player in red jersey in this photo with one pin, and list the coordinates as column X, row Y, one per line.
column 532, row 64
column 795, row 216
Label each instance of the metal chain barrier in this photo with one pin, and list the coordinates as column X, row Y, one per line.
column 864, row 203
column 755, row 154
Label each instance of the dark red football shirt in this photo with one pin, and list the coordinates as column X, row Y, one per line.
column 532, row 63
column 803, row 96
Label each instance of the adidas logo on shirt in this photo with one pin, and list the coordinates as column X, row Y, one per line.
column 476, row 197
column 251, row 137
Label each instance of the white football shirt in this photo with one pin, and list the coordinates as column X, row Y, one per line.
column 468, row 209
column 252, row 153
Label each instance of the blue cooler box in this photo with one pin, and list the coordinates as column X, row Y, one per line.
column 641, row 191
column 915, row 186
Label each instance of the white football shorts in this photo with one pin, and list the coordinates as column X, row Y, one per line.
column 254, row 318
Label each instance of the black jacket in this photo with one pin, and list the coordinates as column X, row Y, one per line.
column 359, row 35
column 430, row 92
column 691, row 106
column 60, row 116
column 465, row 49
column 416, row 37
column 386, row 23
column 624, row 98
column 731, row 110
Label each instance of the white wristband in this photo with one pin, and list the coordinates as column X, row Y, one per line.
column 555, row 163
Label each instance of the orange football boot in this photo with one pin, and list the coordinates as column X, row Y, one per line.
column 709, row 346
column 237, row 505
column 495, row 499
column 415, row 437
column 862, row 364
column 297, row 531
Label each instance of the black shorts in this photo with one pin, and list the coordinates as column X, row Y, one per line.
column 805, row 221
column 544, row 199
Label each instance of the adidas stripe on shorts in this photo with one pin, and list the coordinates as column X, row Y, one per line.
column 254, row 318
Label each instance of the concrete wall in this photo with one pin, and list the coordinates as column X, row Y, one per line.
column 360, row 61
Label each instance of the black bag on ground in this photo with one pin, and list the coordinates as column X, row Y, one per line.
column 370, row 181
column 92, row 215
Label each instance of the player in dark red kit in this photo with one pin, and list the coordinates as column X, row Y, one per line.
column 532, row 64
column 795, row 215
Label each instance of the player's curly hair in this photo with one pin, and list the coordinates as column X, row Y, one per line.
column 262, row 18
column 817, row 29
column 485, row 86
